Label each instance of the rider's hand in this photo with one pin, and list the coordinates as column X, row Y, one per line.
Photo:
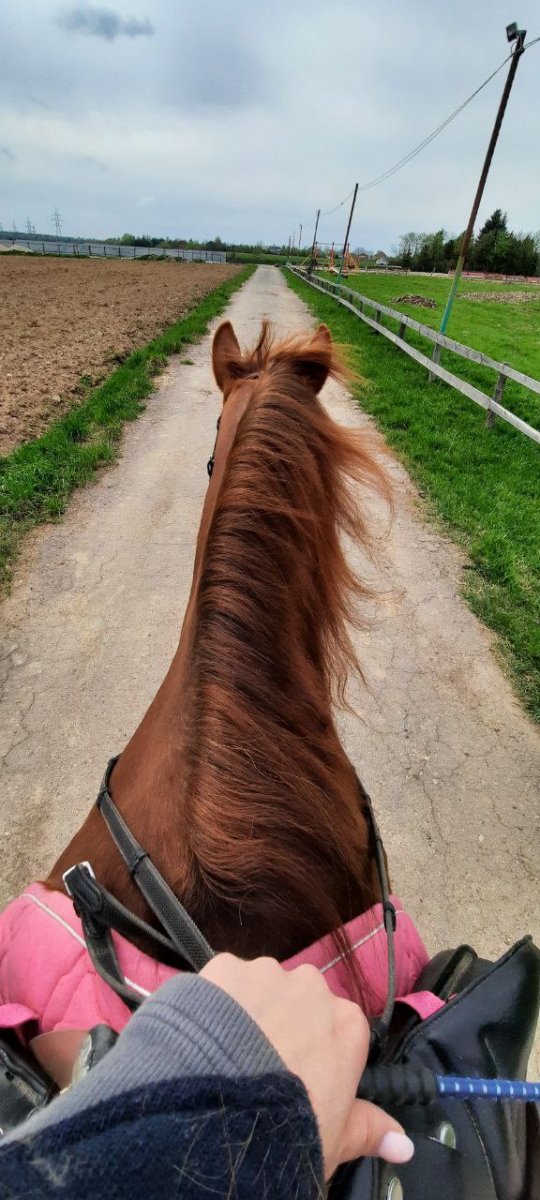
column 324, row 1041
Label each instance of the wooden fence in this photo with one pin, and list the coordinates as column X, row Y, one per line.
column 357, row 303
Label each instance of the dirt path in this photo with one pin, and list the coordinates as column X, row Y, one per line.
column 449, row 758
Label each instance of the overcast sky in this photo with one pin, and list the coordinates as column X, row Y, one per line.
column 238, row 118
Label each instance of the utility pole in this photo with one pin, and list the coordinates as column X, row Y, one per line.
column 518, row 36
column 348, row 232
column 311, row 263
column 57, row 219
column 289, row 250
column 300, row 239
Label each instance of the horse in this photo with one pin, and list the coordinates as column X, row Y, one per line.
column 235, row 781
column 237, row 786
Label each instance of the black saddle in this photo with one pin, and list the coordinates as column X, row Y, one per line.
column 464, row 1150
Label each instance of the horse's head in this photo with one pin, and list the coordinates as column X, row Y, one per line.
column 298, row 365
column 309, row 358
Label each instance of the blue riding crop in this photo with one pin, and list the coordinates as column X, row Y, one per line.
column 395, row 1085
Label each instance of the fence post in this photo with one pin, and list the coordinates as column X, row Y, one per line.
column 402, row 330
column 377, row 318
column 436, row 358
column 497, row 396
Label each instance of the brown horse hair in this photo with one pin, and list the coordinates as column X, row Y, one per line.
column 271, row 803
column 259, row 828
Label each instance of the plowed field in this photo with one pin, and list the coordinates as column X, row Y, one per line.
column 60, row 321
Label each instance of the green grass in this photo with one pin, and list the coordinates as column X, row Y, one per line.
column 482, row 485
column 37, row 479
column 507, row 332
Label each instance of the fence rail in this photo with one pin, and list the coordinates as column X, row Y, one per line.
column 492, row 404
column 106, row 250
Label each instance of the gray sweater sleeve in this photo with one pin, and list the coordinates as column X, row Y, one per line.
column 189, row 1027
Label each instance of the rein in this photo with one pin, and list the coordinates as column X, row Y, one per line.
column 100, row 912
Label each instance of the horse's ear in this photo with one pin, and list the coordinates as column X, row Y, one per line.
column 225, row 352
column 315, row 363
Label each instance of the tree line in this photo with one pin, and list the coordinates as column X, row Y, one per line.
column 495, row 249
column 216, row 243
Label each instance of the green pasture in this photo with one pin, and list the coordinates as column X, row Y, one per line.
column 482, row 485
column 509, row 332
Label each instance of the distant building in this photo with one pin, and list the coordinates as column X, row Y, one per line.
column 380, row 259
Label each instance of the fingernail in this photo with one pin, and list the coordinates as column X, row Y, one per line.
column 396, row 1147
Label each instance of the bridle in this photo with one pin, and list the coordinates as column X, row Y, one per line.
column 100, row 912
column 211, row 460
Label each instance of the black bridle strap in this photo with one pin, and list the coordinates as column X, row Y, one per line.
column 210, row 463
column 90, row 902
column 106, row 911
column 185, row 935
column 100, row 912
column 381, row 1025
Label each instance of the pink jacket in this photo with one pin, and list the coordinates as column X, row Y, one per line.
column 47, row 978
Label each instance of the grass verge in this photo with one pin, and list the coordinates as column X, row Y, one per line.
column 482, row 485
column 37, row 479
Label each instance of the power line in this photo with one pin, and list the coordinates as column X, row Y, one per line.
column 328, row 211
column 431, row 137
column 435, row 133
column 407, row 158
column 340, row 205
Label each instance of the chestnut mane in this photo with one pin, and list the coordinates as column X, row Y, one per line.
column 259, row 827
column 272, row 807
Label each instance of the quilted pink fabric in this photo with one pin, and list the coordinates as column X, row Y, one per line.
column 47, row 978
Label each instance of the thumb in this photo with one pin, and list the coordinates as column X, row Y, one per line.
column 369, row 1131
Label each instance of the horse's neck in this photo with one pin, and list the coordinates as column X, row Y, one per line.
column 178, row 813
column 254, row 886
column 148, row 785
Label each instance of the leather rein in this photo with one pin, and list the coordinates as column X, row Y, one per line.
column 100, row 912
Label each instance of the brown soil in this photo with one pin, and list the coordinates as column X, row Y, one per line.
column 415, row 298
column 62, row 320
column 500, row 297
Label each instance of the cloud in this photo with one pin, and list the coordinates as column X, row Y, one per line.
column 245, row 127
column 221, row 70
column 89, row 160
column 8, row 153
column 103, row 23
column 39, row 103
